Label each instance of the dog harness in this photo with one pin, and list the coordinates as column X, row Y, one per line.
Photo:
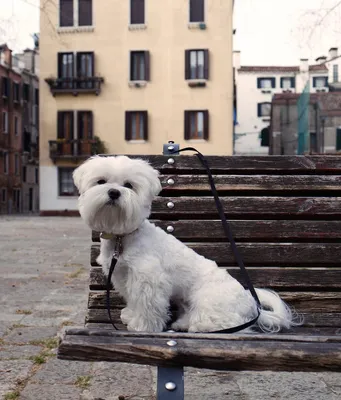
column 228, row 232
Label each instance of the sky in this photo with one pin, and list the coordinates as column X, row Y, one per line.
column 269, row 32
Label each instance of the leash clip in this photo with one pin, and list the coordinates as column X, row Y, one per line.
column 118, row 247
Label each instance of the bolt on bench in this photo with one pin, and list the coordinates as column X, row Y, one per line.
column 285, row 213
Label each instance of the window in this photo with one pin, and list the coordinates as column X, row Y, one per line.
column 66, row 12
column 17, row 197
column 85, row 125
column 4, row 195
column 137, row 12
column 65, row 128
column 5, row 122
column 287, row 83
column 196, row 125
column 16, row 164
column 85, row 13
column 338, row 138
column 264, row 109
column 36, row 97
column 196, row 64
column 320, row 81
column 313, row 142
column 24, row 174
column 26, row 92
column 16, row 92
column 6, row 161
column 5, row 87
column 136, row 125
column 139, row 66
column 37, row 175
column 196, row 10
column 16, row 125
column 266, row 83
column 66, row 185
column 85, row 68
column 335, row 73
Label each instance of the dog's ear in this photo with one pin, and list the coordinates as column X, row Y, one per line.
column 156, row 184
column 78, row 174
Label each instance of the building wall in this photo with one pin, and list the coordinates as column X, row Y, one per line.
column 250, row 125
column 165, row 97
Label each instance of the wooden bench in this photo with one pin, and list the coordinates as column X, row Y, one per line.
column 286, row 218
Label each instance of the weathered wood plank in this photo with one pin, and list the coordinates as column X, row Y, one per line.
column 274, row 278
column 310, row 319
column 191, row 230
column 205, row 353
column 299, row 330
column 254, row 254
column 287, row 183
column 254, row 164
column 251, row 206
column 301, row 301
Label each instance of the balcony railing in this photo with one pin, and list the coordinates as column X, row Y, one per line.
column 75, row 86
column 76, row 149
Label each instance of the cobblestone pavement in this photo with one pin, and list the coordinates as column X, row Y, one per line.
column 44, row 265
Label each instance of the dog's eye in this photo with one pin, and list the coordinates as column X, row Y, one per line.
column 128, row 185
column 101, row 182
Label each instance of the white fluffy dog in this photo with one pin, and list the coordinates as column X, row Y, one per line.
column 155, row 268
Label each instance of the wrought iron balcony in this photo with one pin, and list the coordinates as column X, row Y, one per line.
column 76, row 149
column 75, row 86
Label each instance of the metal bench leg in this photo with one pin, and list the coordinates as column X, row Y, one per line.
column 170, row 383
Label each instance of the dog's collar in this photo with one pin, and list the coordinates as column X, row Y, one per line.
column 111, row 236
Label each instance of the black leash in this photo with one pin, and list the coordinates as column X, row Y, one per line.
column 229, row 235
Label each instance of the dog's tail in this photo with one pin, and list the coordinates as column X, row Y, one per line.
column 275, row 314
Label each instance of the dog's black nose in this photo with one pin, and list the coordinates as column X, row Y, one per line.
column 114, row 194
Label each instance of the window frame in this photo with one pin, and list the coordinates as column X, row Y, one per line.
column 128, row 126
column 4, row 198
column 188, row 64
column 60, row 14
column 292, row 82
column 259, row 109
column 189, row 12
column 91, row 14
column 16, row 92
column 16, row 164
column 90, row 135
column 316, row 78
column 263, row 78
column 66, row 194
column 5, row 122
column 187, row 125
column 16, row 125
column 6, row 162
column 336, row 73
column 60, row 124
column 146, row 56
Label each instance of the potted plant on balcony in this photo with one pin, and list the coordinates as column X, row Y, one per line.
column 98, row 146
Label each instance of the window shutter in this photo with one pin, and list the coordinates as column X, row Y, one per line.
column 145, row 124
column 66, row 13
column 91, row 125
column 259, row 109
column 60, row 119
column 259, row 83
column 326, row 81
column 147, row 65
column 187, row 127
column 196, row 11
column 338, row 138
column 127, row 125
column 187, row 65
column 293, row 83
column 273, row 82
column 314, row 81
column 71, row 113
column 85, row 13
column 137, row 11
column 282, row 83
column 206, row 124
column 206, row 64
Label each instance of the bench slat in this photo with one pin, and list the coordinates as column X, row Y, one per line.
column 310, row 319
column 291, row 353
column 274, row 278
column 302, row 301
column 250, row 206
column 191, row 230
column 288, row 254
column 286, row 183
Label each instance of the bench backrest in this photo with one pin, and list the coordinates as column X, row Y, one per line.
column 285, row 213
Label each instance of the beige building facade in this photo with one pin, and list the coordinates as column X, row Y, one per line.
column 130, row 75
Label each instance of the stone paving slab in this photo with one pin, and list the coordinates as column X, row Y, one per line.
column 39, row 258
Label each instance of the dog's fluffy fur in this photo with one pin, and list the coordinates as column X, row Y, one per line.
column 155, row 267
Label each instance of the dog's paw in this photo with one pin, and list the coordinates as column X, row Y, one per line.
column 126, row 315
column 141, row 324
column 180, row 324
